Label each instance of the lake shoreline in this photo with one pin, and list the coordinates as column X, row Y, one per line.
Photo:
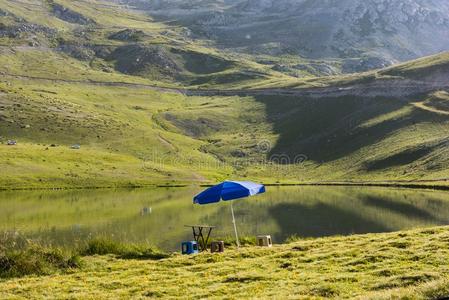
column 67, row 217
column 427, row 185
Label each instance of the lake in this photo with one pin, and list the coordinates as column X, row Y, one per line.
column 158, row 215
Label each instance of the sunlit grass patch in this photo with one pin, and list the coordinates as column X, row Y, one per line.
column 360, row 266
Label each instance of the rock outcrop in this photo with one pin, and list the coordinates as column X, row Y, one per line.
column 69, row 15
column 128, row 35
column 22, row 30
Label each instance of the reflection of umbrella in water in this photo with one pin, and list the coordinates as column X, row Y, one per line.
column 229, row 190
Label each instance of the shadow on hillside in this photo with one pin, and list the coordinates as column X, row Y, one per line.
column 403, row 158
column 328, row 129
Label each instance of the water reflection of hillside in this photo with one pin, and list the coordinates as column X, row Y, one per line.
column 324, row 211
column 158, row 216
column 344, row 211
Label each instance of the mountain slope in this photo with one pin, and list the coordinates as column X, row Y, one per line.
column 131, row 135
column 362, row 34
column 117, row 40
column 102, row 82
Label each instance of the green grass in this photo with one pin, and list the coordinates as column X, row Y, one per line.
column 21, row 257
column 121, row 139
column 417, row 68
column 403, row 265
column 137, row 136
column 104, row 246
column 35, row 260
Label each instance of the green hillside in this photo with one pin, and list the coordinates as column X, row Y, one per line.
column 73, row 76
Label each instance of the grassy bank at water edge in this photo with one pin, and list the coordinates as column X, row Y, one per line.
column 404, row 265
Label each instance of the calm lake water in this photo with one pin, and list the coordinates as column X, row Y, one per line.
column 158, row 215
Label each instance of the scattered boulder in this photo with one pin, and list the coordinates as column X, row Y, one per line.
column 24, row 29
column 130, row 35
column 33, row 43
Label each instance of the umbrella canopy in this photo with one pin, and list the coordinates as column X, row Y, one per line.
column 229, row 190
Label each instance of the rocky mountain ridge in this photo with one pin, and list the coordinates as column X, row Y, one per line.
column 363, row 34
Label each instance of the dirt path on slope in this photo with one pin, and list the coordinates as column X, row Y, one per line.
column 423, row 106
column 394, row 88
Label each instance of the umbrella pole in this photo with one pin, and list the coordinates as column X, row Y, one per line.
column 235, row 226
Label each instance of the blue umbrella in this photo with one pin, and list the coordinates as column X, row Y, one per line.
column 229, row 190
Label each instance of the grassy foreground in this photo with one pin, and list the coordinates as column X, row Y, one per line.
column 404, row 265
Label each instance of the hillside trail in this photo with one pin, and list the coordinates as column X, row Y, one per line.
column 423, row 106
column 392, row 89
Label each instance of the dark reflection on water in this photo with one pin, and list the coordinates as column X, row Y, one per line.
column 158, row 216
column 321, row 220
column 406, row 209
